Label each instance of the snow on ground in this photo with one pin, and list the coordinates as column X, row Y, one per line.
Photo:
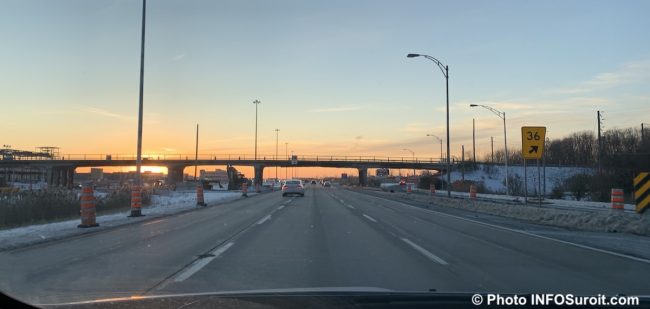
column 161, row 205
column 493, row 176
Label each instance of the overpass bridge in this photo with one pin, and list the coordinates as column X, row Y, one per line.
column 60, row 169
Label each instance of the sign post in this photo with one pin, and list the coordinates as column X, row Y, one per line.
column 532, row 147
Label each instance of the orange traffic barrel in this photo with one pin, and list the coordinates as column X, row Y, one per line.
column 617, row 199
column 244, row 189
column 199, row 196
column 88, row 211
column 472, row 191
column 432, row 188
column 136, row 201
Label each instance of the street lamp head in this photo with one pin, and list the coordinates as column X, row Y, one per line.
column 256, row 102
column 473, row 105
column 412, row 55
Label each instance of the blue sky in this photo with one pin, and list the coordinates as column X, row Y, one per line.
column 332, row 75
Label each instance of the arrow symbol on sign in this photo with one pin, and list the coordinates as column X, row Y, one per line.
column 533, row 149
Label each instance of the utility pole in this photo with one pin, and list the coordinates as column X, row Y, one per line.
column 600, row 144
column 462, row 163
column 473, row 141
column 196, row 151
column 286, row 154
column 276, row 154
column 492, row 143
column 642, row 133
column 256, row 102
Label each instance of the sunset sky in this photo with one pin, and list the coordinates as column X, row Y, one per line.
column 331, row 75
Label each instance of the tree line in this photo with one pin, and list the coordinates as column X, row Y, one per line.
column 621, row 149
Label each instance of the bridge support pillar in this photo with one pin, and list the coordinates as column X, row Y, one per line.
column 363, row 176
column 259, row 175
column 70, row 177
column 233, row 178
column 175, row 174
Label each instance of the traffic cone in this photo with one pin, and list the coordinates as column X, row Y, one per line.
column 88, row 210
column 199, row 196
column 136, row 201
column 244, row 190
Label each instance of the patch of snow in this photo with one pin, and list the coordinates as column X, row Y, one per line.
column 169, row 203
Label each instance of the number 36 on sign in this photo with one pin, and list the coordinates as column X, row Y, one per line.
column 532, row 142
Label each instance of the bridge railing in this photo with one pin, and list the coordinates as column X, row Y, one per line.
column 240, row 157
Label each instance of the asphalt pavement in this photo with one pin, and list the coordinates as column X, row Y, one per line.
column 329, row 238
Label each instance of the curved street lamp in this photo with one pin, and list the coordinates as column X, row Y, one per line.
column 501, row 115
column 445, row 72
column 413, row 154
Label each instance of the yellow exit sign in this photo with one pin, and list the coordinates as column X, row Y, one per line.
column 532, row 142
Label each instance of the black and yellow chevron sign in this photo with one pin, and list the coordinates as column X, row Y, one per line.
column 642, row 191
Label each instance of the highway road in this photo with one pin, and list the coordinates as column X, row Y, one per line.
column 332, row 237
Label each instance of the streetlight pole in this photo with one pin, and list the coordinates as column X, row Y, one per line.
column 413, row 154
column 276, row 154
column 445, row 72
column 136, row 211
column 642, row 132
column 501, row 115
column 439, row 139
column 286, row 154
column 256, row 102
column 473, row 141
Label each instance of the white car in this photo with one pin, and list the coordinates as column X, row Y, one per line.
column 293, row 186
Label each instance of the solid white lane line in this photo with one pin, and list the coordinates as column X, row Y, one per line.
column 638, row 259
column 425, row 252
column 281, row 206
column 154, row 222
column 370, row 218
column 264, row 219
column 202, row 262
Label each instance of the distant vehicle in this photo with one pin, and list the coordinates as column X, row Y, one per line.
column 313, row 182
column 294, row 187
column 327, row 184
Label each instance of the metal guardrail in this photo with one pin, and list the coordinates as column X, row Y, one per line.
column 235, row 157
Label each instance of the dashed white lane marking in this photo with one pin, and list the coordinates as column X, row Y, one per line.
column 198, row 264
column 369, row 218
column 280, row 207
column 425, row 252
column 349, row 206
column 634, row 258
column 264, row 219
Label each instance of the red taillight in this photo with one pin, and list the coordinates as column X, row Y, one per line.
column 285, row 187
column 299, row 187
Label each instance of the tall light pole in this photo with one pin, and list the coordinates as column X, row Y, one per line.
column 276, row 154
column 413, row 154
column 440, row 140
column 501, row 115
column 445, row 72
column 256, row 102
column 196, row 151
column 286, row 154
column 137, row 211
column 473, row 141
column 642, row 132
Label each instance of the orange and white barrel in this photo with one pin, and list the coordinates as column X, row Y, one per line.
column 617, row 199
column 472, row 191
column 199, row 196
column 88, row 211
column 432, row 188
column 136, row 201
column 244, row 189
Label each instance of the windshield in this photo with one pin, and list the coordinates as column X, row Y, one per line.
column 160, row 147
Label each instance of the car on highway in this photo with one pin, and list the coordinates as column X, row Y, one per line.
column 293, row 187
column 327, row 184
column 313, row 182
